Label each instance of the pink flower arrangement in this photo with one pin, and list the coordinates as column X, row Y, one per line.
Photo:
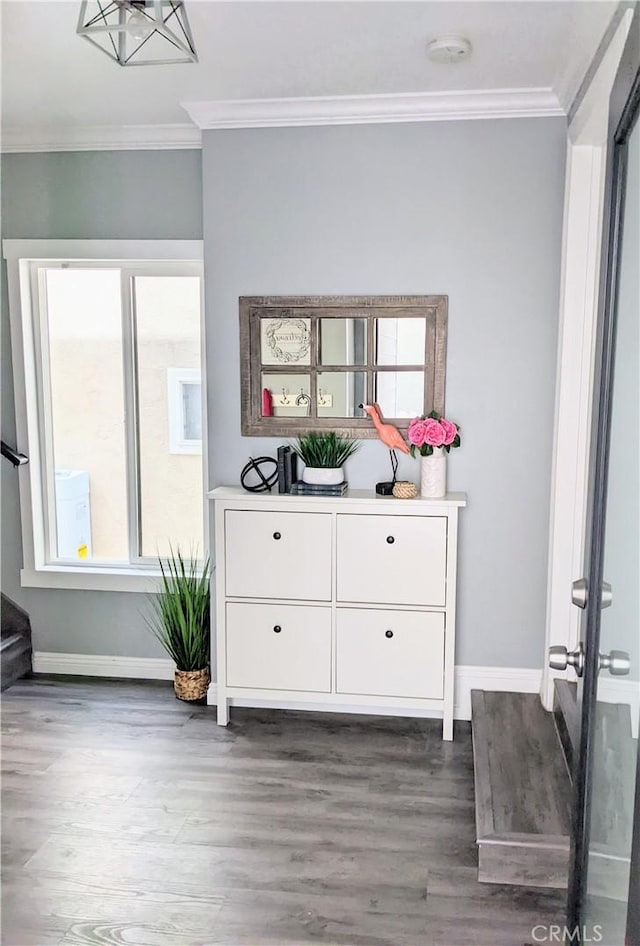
column 431, row 431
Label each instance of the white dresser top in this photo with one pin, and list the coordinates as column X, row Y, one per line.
column 357, row 496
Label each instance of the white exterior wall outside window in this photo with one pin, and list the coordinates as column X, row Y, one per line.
column 97, row 329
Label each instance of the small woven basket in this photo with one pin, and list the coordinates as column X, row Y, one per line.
column 403, row 489
column 191, row 684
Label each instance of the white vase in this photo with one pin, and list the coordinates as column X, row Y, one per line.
column 322, row 476
column 433, row 474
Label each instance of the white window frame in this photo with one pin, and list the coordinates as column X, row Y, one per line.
column 176, row 379
column 23, row 256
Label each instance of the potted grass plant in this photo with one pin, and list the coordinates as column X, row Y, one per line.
column 180, row 620
column 323, row 456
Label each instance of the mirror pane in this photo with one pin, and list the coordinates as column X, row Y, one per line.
column 400, row 393
column 615, row 716
column 400, row 341
column 285, row 341
column 343, row 342
column 340, row 392
column 288, row 395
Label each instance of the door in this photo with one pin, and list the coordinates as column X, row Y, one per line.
column 604, row 887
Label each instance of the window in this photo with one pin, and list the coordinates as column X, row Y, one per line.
column 185, row 414
column 108, row 367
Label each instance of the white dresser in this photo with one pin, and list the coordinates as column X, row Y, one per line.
column 338, row 603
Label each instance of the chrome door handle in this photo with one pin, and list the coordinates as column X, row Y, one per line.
column 617, row 662
column 580, row 594
column 560, row 658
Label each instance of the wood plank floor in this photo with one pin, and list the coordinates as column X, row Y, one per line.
column 131, row 818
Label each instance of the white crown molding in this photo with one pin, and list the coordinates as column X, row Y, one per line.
column 281, row 113
column 20, row 139
column 374, row 109
column 467, row 678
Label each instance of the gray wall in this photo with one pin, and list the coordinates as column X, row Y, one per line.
column 110, row 195
column 470, row 209
column 621, row 623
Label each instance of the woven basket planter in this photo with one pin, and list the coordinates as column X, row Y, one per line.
column 191, row 685
column 405, row 490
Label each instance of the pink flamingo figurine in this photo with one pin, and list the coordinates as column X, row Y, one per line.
column 388, row 434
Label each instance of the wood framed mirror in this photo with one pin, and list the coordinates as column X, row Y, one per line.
column 321, row 357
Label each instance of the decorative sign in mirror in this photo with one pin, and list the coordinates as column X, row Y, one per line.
column 310, row 362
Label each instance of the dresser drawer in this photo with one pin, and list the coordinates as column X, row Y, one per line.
column 279, row 647
column 278, row 555
column 392, row 559
column 390, row 653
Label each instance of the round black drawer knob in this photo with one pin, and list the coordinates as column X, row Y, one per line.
column 390, row 539
column 277, row 629
column 277, row 536
column 388, row 633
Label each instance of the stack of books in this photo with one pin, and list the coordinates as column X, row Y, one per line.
column 317, row 489
column 287, row 469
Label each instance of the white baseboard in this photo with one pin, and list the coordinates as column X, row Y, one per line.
column 467, row 678
column 102, row 665
column 503, row 679
column 615, row 690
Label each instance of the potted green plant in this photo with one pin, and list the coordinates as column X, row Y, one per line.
column 323, row 456
column 180, row 621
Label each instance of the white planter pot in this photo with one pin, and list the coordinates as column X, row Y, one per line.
column 322, row 476
column 433, row 474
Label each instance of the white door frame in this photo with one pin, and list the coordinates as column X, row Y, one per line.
column 580, row 284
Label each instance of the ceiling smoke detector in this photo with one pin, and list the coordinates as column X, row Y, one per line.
column 449, row 49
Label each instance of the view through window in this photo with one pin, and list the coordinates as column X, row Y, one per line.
column 112, row 340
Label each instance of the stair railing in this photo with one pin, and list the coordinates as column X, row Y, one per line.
column 15, row 458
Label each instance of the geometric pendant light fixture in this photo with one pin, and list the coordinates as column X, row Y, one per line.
column 138, row 32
